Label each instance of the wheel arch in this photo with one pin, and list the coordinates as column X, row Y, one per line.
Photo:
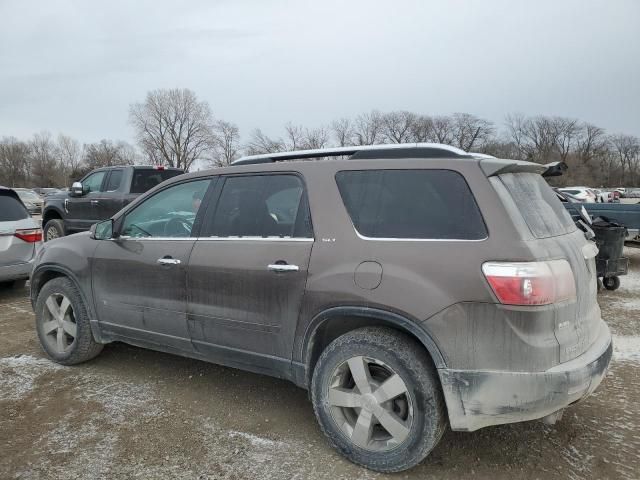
column 333, row 322
column 51, row 213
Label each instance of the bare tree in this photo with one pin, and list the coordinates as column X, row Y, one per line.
column 260, row 143
column 173, row 126
column 590, row 142
column 70, row 153
column 342, row 131
column 422, row 129
column 398, row 127
column 469, row 131
column 627, row 150
column 367, row 128
column 227, row 143
column 14, row 162
column 566, row 132
column 45, row 166
column 442, row 130
column 107, row 153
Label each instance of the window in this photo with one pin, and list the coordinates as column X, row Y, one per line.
column 93, row 182
column 538, row 204
column 145, row 179
column 114, row 181
column 11, row 209
column 262, row 206
column 168, row 213
column 420, row 204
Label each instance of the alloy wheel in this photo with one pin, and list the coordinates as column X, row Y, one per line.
column 370, row 404
column 58, row 323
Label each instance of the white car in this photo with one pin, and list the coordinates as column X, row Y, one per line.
column 20, row 239
column 584, row 194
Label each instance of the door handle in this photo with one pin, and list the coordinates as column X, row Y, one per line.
column 168, row 261
column 276, row 267
column 94, row 202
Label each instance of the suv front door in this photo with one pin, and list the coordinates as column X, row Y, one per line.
column 139, row 278
column 81, row 213
column 248, row 270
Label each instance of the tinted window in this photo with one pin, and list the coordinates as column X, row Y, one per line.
column 169, row 213
column 147, row 178
column 114, row 180
column 538, row 204
column 93, row 182
column 427, row 204
column 11, row 209
column 262, row 206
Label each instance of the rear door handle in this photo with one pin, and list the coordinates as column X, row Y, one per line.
column 94, row 202
column 276, row 267
column 168, row 261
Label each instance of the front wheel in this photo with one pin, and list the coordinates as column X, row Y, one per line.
column 378, row 400
column 63, row 324
column 53, row 229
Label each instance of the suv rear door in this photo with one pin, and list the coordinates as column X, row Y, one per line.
column 248, row 270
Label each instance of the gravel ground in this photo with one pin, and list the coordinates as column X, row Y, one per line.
column 133, row 413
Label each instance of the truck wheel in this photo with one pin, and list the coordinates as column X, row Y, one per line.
column 378, row 400
column 63, row 325
column 53, row 229
column 611, row 283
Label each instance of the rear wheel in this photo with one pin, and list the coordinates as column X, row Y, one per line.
column 62, row 323
column 611, row 283
column 378, row 400
column 53, row 229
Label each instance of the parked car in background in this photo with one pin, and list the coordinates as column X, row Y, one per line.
column 20, row 237
column 43, row 192
column 97, row 196
column 408, row 287
column 583, row 194
column 632, row 193
column 31, row 200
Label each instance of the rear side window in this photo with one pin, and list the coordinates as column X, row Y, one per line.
column 147, row 178
column 11, row 209
column 262, row 206
column 538, row 204
column 114, row 180
column 413, row 204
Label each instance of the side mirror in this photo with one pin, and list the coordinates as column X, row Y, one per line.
column 102, row 230
column 76, row 189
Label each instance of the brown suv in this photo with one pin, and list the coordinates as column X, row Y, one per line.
column 405, row 286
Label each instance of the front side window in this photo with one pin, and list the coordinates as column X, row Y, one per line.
column 93, row 182
column 169, row 213
column 262, row 206
column 411, row 204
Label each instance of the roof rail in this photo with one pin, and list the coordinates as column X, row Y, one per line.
column 422, row 150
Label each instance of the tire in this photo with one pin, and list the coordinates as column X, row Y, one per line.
column 611, row 283
column 385, row 353
column 65, row 337
column 53, row 229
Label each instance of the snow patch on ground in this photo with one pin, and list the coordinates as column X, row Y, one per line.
column 626, row 348
column 18, row 374
column 256, row 441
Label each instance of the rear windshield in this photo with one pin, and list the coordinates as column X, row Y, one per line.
column 411, row 204
column 11, row 209
column 538, row 204
column 146, row 179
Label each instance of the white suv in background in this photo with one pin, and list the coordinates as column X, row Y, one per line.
column 584, row 194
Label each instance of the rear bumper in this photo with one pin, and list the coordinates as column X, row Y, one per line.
column 17, row 271
column 477, row 399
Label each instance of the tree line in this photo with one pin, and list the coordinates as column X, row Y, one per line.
column 174, row 128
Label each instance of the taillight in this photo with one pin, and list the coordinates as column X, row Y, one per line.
column 30, row 235
column 159, row 167
column 531, row 283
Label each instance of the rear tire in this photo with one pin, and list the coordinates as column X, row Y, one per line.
column 390, row 413
column 62, row 323
column 53, row 229
column 611, row 283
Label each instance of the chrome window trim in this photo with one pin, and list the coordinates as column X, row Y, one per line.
column 257, row 239
column 392, row 239
column 127, row 237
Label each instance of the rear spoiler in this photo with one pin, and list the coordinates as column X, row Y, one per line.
column 493, row 166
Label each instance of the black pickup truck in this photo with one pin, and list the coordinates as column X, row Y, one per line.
column 98, row 196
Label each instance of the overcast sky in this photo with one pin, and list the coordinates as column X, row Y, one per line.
column 75, row 66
